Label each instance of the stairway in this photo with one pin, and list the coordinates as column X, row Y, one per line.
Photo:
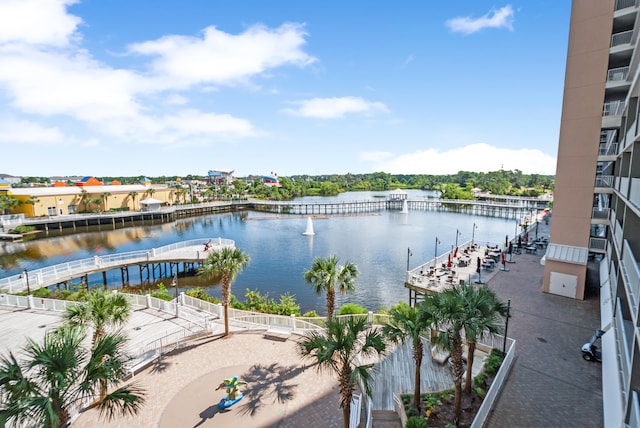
column 385, row 419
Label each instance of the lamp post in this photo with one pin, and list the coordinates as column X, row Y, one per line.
column 473, row 233
column 409, row 254
column 174, row 283
column 435, row 255
column 26, row 276
column 457, row 234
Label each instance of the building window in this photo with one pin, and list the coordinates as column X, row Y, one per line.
column 71, row 209
column 51, row 211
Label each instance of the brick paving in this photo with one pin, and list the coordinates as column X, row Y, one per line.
column 550, row 385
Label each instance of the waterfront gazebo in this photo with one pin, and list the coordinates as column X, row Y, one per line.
column 151, row 204
column 398, row 195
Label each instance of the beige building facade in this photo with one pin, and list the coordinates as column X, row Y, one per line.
column 596, row 211
column 57, row 201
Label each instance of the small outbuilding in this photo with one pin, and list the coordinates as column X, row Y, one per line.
column 150, row 204
column 398, row 195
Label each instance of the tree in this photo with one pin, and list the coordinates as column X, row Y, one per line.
column 228, row 263
column 409, row 323
column 105, row 197
column 483, row 311
column 56, row 376
column 133, row 195
column 448, row 314
column 325, row 275
column 338, row 350
column 102, row 311
column 84, row 198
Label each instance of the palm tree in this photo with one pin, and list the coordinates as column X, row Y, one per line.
column 325, row 274
column 409, row 323
column 105, row 197
column 60, row 374
column 339, row 349
column 32, row 201
column 133, row 195
column 84, row 198
column 483, row 312
column 102, row 311
column 448, row 315
column 228, row 263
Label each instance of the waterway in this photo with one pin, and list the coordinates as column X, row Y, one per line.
column 279, row 252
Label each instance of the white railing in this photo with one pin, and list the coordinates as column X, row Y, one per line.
column 604, row 181
column 634, row 192
column 50, row 275
column 622, row 344
column 618, row 74
column 634, row 410
column 631, row 274
column 621, row 38
column 496, row 386
column 597, row 244
column 624, row 186
column 617, row 235
column 600, row 213
column 608, row 149
column 398, row 407
column 354, row 419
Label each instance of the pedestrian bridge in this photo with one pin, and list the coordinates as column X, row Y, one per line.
column 186, row 251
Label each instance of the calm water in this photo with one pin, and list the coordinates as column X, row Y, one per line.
column 279, row 253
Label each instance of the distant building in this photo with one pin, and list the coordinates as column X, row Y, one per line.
column 271, row 180
column 88, row 181
column 10, row 178
column 221, row 176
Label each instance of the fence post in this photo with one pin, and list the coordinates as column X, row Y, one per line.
column 30, row 301
column 370, row 317
column 293, row 323
column 148, row 300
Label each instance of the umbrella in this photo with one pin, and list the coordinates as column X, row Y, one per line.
column 502, row 254
column 449, row 260
column 510, row 248
column 526, row 237
column 478, row 268
column 455, row 253
column 506, row 241
column 519, row 241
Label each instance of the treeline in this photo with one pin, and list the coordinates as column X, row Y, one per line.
column 453, row 186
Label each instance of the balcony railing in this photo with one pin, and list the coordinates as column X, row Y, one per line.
column 600, row 213
column 613, row 108
column 597, row 244
column 631, row 273
column 624, row 186
column 623, row 4
column 608, row 136
column 604, row 181
column 617, row 234
column 634, row 410
column 634, row 192
column 608, row 149
column 623, row 38
column 622, row 345
column 618, row 74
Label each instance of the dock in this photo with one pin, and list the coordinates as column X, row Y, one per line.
column 162, row 260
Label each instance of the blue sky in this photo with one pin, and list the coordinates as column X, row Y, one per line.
column 134, row 87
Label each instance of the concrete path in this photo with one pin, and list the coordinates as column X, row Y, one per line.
column 550, row 385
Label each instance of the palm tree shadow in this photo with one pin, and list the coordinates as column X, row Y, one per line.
column 268, row 385
column 208, row 413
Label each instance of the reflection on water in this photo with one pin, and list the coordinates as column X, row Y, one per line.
column 279, row 252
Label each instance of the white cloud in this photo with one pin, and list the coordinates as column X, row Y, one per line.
column 500, row 18
column 16, row 131
column 475, row 157
column 333, row 108
column 176, row 99
column 40, row 22
column 219, row 57
column 375, row 156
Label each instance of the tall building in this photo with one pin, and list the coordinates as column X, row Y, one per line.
column 596, row 212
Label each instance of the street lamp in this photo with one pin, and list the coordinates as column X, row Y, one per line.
column 26, row 276
column 409, row 254
column 174, row 283
column 457, row 234
column 435, row 255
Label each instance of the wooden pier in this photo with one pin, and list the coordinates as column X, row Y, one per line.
column 155, row 262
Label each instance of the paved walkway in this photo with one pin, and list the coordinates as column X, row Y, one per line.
column 550, row 385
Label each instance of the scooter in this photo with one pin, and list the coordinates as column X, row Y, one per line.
column 590, row 350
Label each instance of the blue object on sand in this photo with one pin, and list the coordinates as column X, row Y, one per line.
column 225, row 404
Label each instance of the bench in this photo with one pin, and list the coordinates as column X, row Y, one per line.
column 141, row 362
column 278, row 332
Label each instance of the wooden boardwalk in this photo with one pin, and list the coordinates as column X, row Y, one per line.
column 192, row 251
column 396, row 374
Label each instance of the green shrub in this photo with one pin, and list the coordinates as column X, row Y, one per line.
column 310, row 314
column 22, row 229
column 352, row 309
column 411, row 411
column 416, row 422
column 480, row 391
column 480, row 380
column 162, row 293
column 494, row 361
column 199, row 293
